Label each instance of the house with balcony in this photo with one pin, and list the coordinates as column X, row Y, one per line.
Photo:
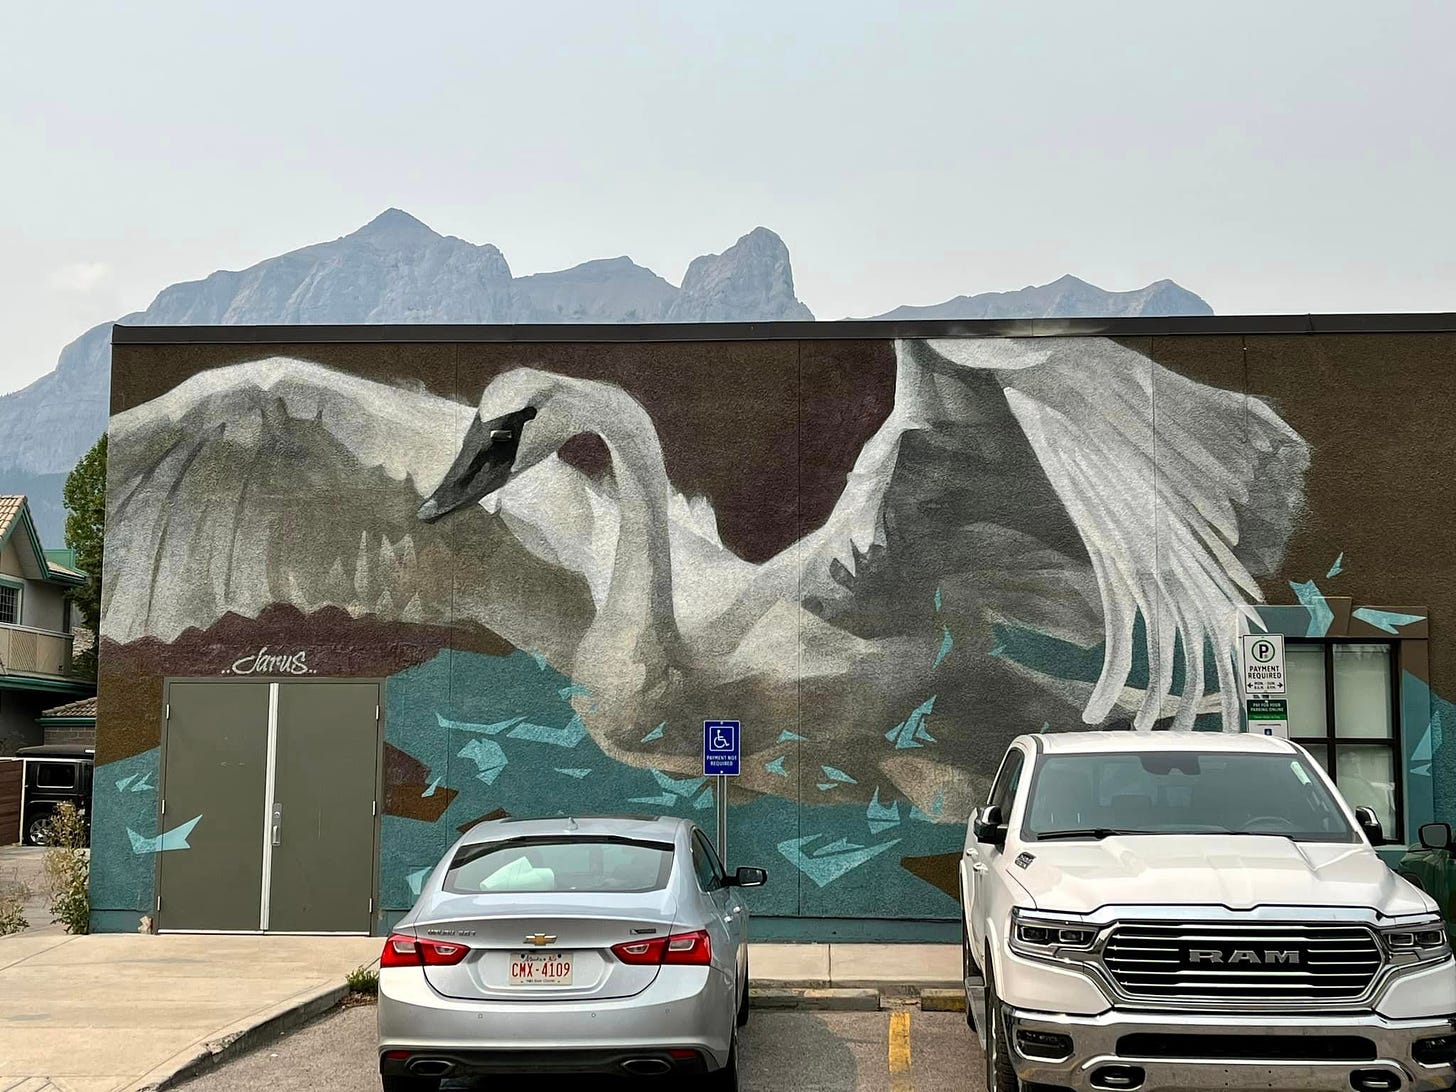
column 36, row 638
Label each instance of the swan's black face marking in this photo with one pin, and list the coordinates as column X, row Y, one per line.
column 484, row 464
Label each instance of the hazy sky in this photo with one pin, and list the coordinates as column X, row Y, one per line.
column 1272, row 156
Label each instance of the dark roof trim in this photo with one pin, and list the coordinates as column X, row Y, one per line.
column 789, row 331
column 66, row 722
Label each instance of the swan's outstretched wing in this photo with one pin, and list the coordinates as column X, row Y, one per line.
column 946, row 520
column 1181, row 493
column 284, row 482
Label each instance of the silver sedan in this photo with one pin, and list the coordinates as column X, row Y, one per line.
column 564, row 946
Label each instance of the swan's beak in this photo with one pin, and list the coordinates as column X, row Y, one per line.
column 486, row 460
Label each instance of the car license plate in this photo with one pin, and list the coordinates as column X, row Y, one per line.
column 541, row 968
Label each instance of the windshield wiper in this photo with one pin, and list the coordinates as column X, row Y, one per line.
column 1091, row 832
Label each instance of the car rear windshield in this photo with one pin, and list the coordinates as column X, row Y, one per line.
column 586, row 864
column 1183, row 792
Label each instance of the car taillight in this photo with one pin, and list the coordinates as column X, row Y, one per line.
column 681, row 949
column 406, row 951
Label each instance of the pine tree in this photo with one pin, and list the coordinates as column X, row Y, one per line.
column 85, row 497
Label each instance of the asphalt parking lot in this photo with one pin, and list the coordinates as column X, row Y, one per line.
column 903, row 1050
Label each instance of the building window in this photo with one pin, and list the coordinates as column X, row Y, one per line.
column 9, row 605
column 1342, row 709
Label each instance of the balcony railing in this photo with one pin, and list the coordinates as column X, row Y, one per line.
column 27, row 651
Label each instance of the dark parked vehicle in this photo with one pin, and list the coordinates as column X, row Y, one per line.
column 1432, row 868
column 54, row 775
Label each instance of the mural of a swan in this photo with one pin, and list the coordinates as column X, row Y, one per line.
column 1063, row 487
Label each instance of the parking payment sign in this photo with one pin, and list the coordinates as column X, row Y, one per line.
column 721, row 739
column 1263, row 663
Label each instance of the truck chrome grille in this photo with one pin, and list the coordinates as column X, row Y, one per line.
column 1222, row 962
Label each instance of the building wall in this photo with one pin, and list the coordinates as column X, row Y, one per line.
column 55, row 735
column 886, row 558
column 18, row 710
column 42, row 603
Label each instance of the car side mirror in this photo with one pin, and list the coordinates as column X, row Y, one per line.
column 1370, row 824
column 1436, row 835
column 988, row 827
column 748, row 877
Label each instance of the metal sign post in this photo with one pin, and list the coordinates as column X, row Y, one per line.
column 722, row 741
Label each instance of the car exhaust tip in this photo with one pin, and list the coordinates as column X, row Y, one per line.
column 430, row 1067
column 646, row 1067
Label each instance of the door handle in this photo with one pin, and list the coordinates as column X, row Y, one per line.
column 277, row 824
column 977, row 867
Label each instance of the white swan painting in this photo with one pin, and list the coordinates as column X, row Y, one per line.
column 1068, row 488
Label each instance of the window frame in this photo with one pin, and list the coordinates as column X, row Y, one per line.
column 55, row 765
column 701, row 845
column 18, row 587
column 1007, row 781
column 1327, row 746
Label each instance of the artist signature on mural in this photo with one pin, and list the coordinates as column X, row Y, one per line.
column 264, row 662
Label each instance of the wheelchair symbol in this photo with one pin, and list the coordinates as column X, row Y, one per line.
column 720, row 740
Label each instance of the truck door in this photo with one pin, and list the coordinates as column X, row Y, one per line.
column 983, row 862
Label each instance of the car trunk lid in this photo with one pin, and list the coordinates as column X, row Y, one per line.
column 518, row 948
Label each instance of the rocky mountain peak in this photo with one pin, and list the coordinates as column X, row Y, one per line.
column 1066, row 297
column 395, row 228
column 753, row 275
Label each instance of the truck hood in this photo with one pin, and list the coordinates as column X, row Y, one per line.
column 1235, row 871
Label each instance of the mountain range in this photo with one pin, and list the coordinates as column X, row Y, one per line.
column 396, row 269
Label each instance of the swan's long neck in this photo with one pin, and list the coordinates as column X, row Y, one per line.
column 640, row 595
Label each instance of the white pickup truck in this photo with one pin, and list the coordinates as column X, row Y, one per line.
column 1148, row 911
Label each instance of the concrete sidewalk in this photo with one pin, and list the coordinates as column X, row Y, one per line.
column 120, row 1012
column 855, row 966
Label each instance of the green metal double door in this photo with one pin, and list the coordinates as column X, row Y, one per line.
column 268, row 807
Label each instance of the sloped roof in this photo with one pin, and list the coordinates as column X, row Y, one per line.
column 10, row 506
column 15, row 518
column 86, row 707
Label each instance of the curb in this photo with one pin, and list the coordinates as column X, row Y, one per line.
column 243, row 1037
column 820, row 999
column 943, row 1000
column 813, row 998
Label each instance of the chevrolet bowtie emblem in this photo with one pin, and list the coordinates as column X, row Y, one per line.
column 540, row 940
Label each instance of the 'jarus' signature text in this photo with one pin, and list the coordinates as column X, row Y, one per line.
column 264, row 662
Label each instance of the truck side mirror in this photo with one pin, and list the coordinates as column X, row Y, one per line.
column 1370, row 824
column 1436, row 835
column 988, row 827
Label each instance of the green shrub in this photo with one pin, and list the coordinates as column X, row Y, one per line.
column 67, row 863
column 12, row 914
column 363, row 979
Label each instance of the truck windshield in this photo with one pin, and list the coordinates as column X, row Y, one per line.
column 1182, row 792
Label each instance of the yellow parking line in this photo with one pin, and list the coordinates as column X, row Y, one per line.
column 900, row 1052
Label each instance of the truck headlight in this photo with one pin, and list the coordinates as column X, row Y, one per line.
column 1044, row 936
column 1423, row 941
